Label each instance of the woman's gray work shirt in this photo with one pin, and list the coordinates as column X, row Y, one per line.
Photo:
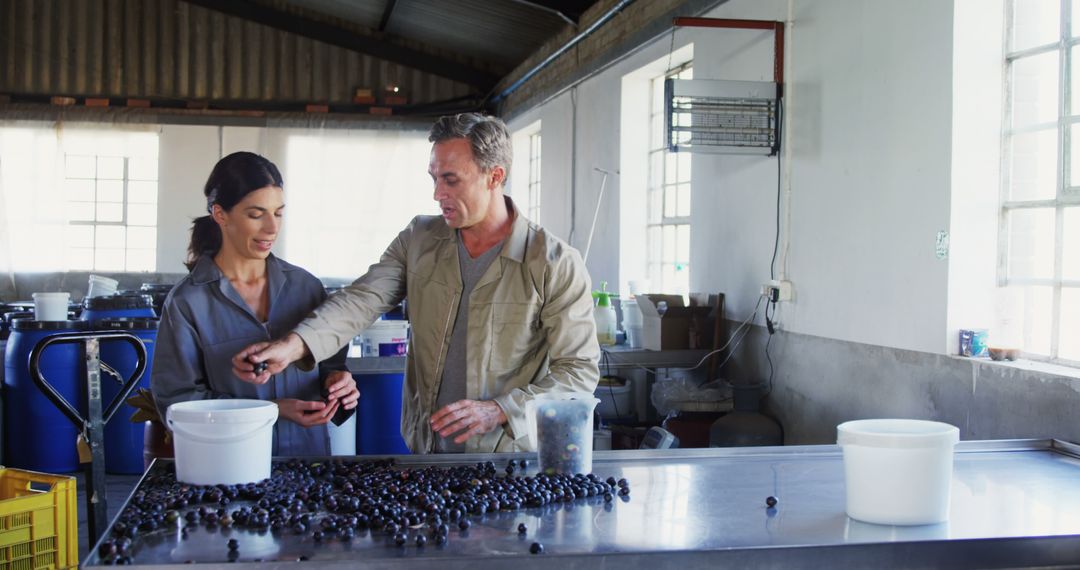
column 204, row 322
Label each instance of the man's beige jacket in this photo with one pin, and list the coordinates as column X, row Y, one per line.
column 530, row 329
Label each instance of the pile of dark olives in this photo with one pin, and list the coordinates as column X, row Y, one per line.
column 337, row 499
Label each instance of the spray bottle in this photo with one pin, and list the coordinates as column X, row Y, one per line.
column 604, row 313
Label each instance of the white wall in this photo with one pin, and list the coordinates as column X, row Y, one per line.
column 869, row 90
column 186, row 155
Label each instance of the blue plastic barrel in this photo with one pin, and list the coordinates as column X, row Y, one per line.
column 378, row 415
column 123, row 439
column 37, row 436
column 120, row 305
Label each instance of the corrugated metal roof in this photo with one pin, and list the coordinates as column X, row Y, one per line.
column 171, row 49
column 499, row 31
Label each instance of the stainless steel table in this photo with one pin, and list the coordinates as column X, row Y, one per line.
column 1014, row 504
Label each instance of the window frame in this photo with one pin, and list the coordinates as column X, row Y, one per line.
column 1066, row 194
column 657, row 223
column 535, row 178
column 124, row 222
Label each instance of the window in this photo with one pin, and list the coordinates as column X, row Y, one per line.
column 349, row 193
column 86, row 197
column 534, row 177
column 1039, row 225
column 668, row 199
column 112, row 212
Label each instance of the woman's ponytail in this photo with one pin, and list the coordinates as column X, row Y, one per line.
column 205, row 240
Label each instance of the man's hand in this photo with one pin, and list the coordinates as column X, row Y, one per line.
column 470, row 417
column 306, row 413
column 341, row 387
column 276, row 355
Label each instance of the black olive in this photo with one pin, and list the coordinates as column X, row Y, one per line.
column 536, row 548
column 522, row 529
column 770, row 501
column 234, row 544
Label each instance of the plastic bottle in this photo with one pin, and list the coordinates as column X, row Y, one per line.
column 604, row 313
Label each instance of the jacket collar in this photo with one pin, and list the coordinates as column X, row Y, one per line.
column 514, row 244
column 206, row 271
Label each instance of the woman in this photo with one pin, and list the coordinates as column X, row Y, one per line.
column 236, row 293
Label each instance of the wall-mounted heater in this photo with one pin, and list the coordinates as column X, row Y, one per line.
column 722, row 117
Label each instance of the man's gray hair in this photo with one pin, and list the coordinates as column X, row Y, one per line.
column 488, row 136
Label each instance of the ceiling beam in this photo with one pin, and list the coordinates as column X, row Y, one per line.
column 327, row 33
column 387, row 11
column 568, row 10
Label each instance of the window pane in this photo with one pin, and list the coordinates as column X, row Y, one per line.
column 669, row 244
column 1071, row 252
column 81, row 211
column 80, row 190
column 1025, row 314
column 1069, row 336
column 653, row 244
column 1035, row 22
column 110, row 190
column 79, row 258
column 110, row 212
column 682, row 243
column 671, row 200
column 142, row 214
column 658, row 139
column 1075, row 79
column 1074, row 154
column 671, row 168
column 1075, row 21
column 1033, row 164
column 76, row 166
column 141, row 260
column 1031, row 242
column 110, row 237
column 656, row 206
column 141, row 237
column 80, row 235
column 684, row 166
column 656, row 169
column 1035, row 89
column 142, row 169
column 142, row 192
column 110, row 167
column 109, row 259
column 683, row 207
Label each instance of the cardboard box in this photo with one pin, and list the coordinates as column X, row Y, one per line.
column 678, row 328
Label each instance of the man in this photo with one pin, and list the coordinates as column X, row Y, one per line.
column 501, row 310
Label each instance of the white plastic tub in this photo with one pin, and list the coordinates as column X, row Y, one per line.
column 615, row 401
column 898, row 472
column 51, row 306
column 222, row 442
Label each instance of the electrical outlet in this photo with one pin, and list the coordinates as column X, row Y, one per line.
column 777, row 291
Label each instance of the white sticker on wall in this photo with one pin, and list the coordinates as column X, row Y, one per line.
column 941, row 249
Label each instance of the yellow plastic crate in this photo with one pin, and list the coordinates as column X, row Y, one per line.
column 39, row 521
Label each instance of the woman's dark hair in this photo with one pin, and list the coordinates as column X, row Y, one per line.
column 232, row 178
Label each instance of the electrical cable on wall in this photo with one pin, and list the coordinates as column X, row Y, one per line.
column 769, row 324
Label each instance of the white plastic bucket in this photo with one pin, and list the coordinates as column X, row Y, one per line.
column 561, row 430
column 101, row 286
column 222, row 442
column 51, row 306
column 385, row 338
column 898, row 472
column 615, row 400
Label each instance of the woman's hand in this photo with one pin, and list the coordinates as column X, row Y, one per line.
column 306, row 413
column 340, row 387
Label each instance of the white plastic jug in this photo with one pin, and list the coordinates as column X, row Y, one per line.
column 561, row 429
column 222, row 442
column 897, row 471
